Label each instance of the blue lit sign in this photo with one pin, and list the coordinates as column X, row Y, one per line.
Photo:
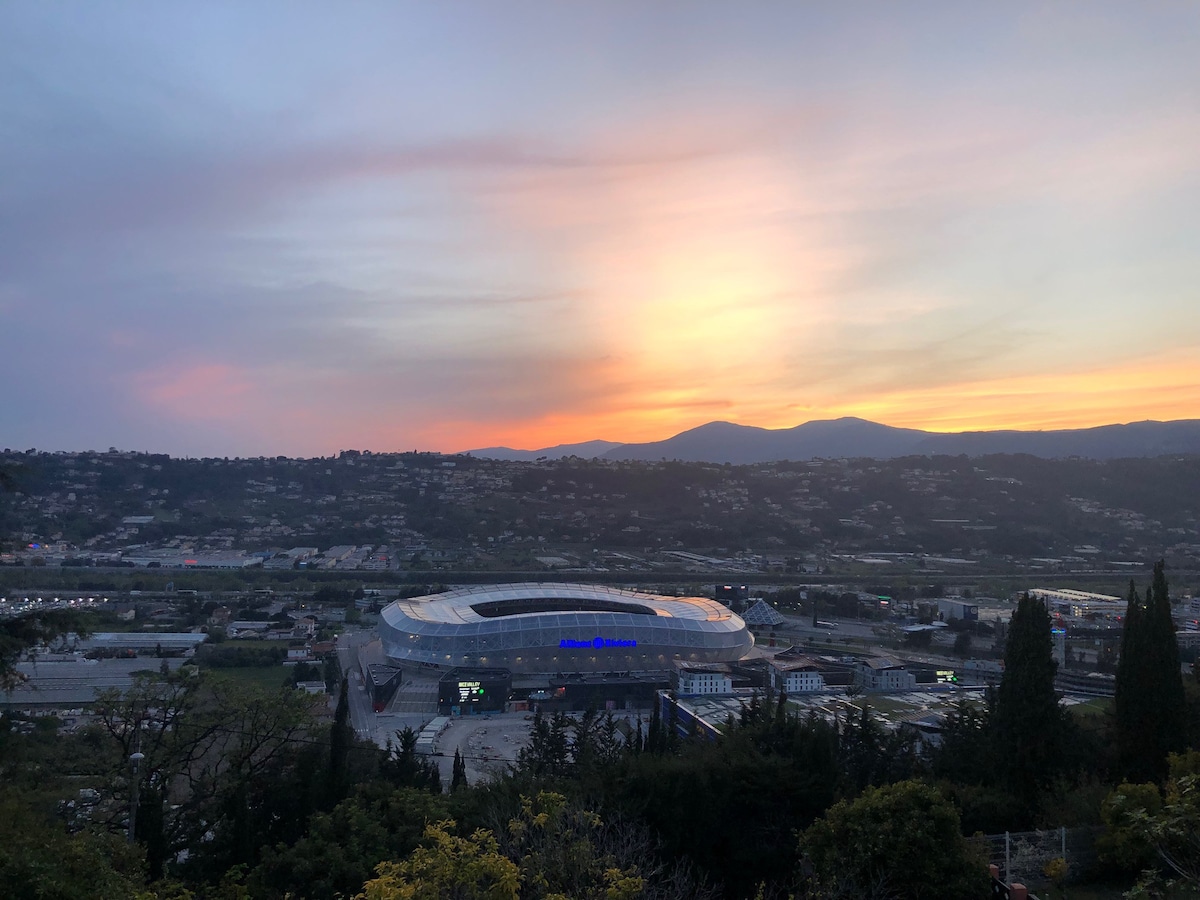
column 594, row 644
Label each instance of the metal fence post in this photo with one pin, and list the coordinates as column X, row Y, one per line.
column 1007, row 850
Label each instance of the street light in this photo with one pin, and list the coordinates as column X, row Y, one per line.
column 135, row 760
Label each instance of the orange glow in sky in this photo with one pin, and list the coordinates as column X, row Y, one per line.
column 532, row 226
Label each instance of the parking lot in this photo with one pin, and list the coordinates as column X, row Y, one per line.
column 487, row 743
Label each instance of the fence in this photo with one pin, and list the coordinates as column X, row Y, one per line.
column 1022, row 855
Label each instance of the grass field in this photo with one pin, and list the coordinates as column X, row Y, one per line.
column 1095, row 707
column 270, row 678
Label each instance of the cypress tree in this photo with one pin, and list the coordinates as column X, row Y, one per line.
column 459, row 776
column 341, row 736
column 1028, row 725
column 656, row 741
column 1128, row 689
column 1149, row 706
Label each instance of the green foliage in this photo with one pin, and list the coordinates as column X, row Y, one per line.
column 448, row 867
column 549, row 848
column 40, row 861
column 304, row 671
column 870, row 755
column 240, row 655
column 218, row 767
column 341, row 849
column 732, row 807
column 901, row 841
column 965, row 752
column 1029, row 728
column 549, row 750
column 1150, row 708
column 404, row 767
column 564, row 851
column 21, row 633
column 1125, row 845
column 1174, row 831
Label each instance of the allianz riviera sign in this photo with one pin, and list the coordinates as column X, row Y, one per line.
column 598, row 643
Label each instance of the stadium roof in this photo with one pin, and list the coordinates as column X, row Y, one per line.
column 461, row 606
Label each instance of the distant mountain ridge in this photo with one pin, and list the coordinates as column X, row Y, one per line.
column 588, row 450
column 849, row 437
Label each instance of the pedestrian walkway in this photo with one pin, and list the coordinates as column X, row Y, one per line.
column 415, row 697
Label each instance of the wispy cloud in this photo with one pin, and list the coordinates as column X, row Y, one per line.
column 425, row 232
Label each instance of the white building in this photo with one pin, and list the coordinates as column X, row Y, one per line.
column 796, row 676
column 882, row 673
column 692, row 680
column 1079, row 603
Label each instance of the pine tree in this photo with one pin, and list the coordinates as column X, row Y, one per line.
column 1149, row 706
column 1028, row 725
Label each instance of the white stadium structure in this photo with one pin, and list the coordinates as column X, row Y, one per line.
column 559, row 628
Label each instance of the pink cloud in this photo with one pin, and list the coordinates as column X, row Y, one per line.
column 212, row 391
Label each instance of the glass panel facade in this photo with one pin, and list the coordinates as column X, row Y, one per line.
column 426, row 631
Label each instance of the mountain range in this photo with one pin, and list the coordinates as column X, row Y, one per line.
column 849, row 437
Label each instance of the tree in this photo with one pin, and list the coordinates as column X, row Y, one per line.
column 1174, row 831
column 964, row 753
column 548, row 849
column 548, row 751
column 40, row 861
column 340, row 849
column 214, row 755
column 448, row 868
column 32, row 629
column 404, row 767
column 1028, row 726
column 1125, row 845
column 1149, row 707
column 340, row 739
column 459, row 778
column 962, row 644
column 900, row 842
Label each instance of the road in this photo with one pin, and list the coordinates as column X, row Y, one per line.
column 846, row 628
column 362, row 715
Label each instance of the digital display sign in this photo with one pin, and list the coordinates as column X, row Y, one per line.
column 597, row 643
column 469, row 691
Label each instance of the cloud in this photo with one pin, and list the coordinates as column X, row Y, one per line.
column 390, row 249
column 197, row 392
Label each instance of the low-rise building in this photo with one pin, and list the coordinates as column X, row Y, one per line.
column 711, row 679
column 957, row 608
column 798, row 675
column 882, row 673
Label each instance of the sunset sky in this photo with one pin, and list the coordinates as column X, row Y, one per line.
column 292, row 228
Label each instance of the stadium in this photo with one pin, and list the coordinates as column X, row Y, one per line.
column 559, row 628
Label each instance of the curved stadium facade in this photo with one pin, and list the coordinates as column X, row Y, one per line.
column 553, row 628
